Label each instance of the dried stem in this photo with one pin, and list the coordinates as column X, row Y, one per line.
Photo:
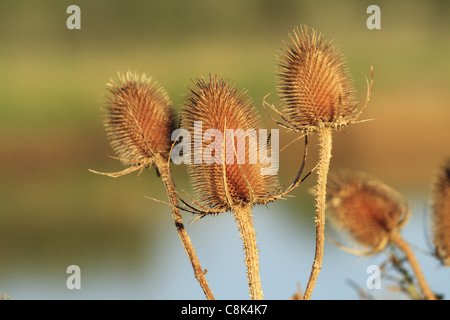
column 398, row 240
column 164, row 170
column 243, row 217
column 325, row 138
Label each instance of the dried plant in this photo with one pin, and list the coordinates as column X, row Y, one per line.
column 367, row 209
column 441, row 214
column 318, row 96
column 139, row 123
column 218, row 105
column 228, row 185
column 315, row 86
column 373, row 213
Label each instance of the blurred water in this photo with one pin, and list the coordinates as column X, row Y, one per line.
column 158, row 268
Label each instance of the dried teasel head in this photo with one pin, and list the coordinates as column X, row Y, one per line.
column 441, row 214
column 224, row 184
column 366, row 209
column 139, row 121
column 314, row 84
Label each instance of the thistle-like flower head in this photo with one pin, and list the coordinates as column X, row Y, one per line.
column 314, row 83
column 217, row 104
column 367, row 209
column 139, row 119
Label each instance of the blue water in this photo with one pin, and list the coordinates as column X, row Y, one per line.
column 286, row 254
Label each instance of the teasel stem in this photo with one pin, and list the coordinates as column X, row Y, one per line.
column 222, row 186
column 398, row 240
column 318, row 96
column 164, row 169
column 139, row 122
column 325, row 139
column 244, row 220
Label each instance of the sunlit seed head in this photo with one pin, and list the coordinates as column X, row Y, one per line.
column 441, row 214
column 314, row 83
column 366, row 209
column 217, row 104
column 139, row 119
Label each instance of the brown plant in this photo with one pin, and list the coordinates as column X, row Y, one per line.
column 218, row 105
column 315, row 86
column 139, row 120
column 441, row 214
column 368, row 210
column 226, row 184
column 318, row 96
column 373, row 214
column 139, row 123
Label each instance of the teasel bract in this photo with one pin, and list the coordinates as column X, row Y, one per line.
column 373, row 214
column 318, row 96
column 139, row 122
column 441, row 214
column 228, row 185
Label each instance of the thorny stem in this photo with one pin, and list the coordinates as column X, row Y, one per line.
column 243, row 217
column 398, row 240
column 163, row 168
column 325, row 139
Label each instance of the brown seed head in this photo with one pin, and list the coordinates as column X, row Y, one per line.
column 441, row 215
column 314, row 83
column 139, row 119
column 366, row 209
column 225, row 184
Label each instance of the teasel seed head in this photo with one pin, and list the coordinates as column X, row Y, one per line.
column 314, row 83
column 222, row 186
column 366, row 209
column 139, row 120
column 441, row 214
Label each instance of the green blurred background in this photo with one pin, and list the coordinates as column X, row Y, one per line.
column 55, row 213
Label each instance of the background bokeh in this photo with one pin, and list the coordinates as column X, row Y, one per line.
column 54, row 213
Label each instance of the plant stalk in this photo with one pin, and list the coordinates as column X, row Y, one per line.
column 398, row 240
column 166, row 176
column 325, row 140
column 244, row 220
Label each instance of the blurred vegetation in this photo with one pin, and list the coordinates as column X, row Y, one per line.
column 52, row 83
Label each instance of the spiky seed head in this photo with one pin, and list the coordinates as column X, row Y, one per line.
column 139, row 119
column 217, row 104
column 441, row 214
column 366, row 209
column 314, row 83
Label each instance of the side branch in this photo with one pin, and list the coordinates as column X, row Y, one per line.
column 164, row 170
